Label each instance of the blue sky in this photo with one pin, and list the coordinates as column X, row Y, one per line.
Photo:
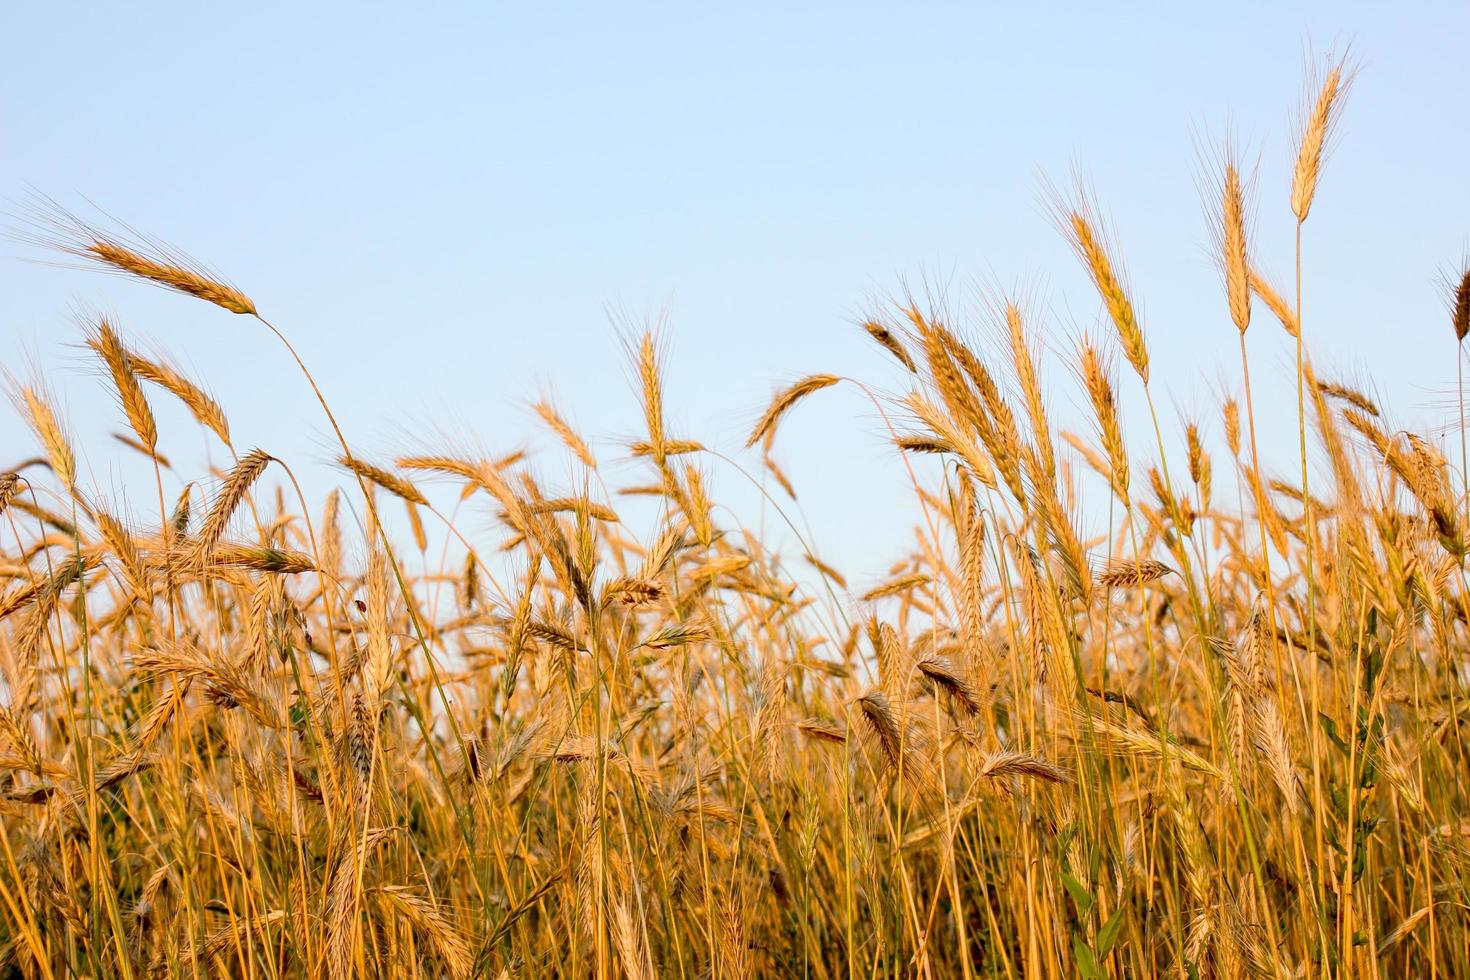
column 449, row 208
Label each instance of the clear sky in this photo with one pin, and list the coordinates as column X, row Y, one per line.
column 449, row 206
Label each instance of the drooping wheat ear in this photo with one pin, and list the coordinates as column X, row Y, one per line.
column 236, row 934
column 878, row 713
column 9, row 484
column 899, row 747
column 923, row 444
column 228, row 498
column 1460, row 305
column 1092, row 457
column 1404, row 928
column 1315, row 134
column 565, row 433
column 141, row 914
column 672, row 447
column 1096, row 378
column 948, row 678
column 765, row 429
column 1128, row 740
column 108, row 346
column 21, row 741
column 1080, row 225
column 427, row 918
column 896, row 586
column 999, row 765
column 134, row 255
column 470, row 470
column 280, row 561
column 227, row 686
column 579, row 505
column 769, row 462
column 631, row 592
column 394, row 484
column 890, row 342
column 1274, row 301
column 821, row 731
column 34, row 405
column 827, row 571
column 1350, row 395
column 133, row 444
column 1233, row 246
column 1123, row 572
column 206, row 411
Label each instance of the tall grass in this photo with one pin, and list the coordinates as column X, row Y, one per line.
column 1220, row 735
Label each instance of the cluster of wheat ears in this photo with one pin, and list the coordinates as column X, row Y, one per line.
column 1220, row 737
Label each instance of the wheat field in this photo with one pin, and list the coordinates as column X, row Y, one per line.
column 1207, row 725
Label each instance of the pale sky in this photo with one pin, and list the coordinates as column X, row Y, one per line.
column 449, row 208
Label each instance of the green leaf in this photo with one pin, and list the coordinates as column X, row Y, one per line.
column 1109, row 932
column 1330, row 727
column 1080, row 895
column 1087, row 963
